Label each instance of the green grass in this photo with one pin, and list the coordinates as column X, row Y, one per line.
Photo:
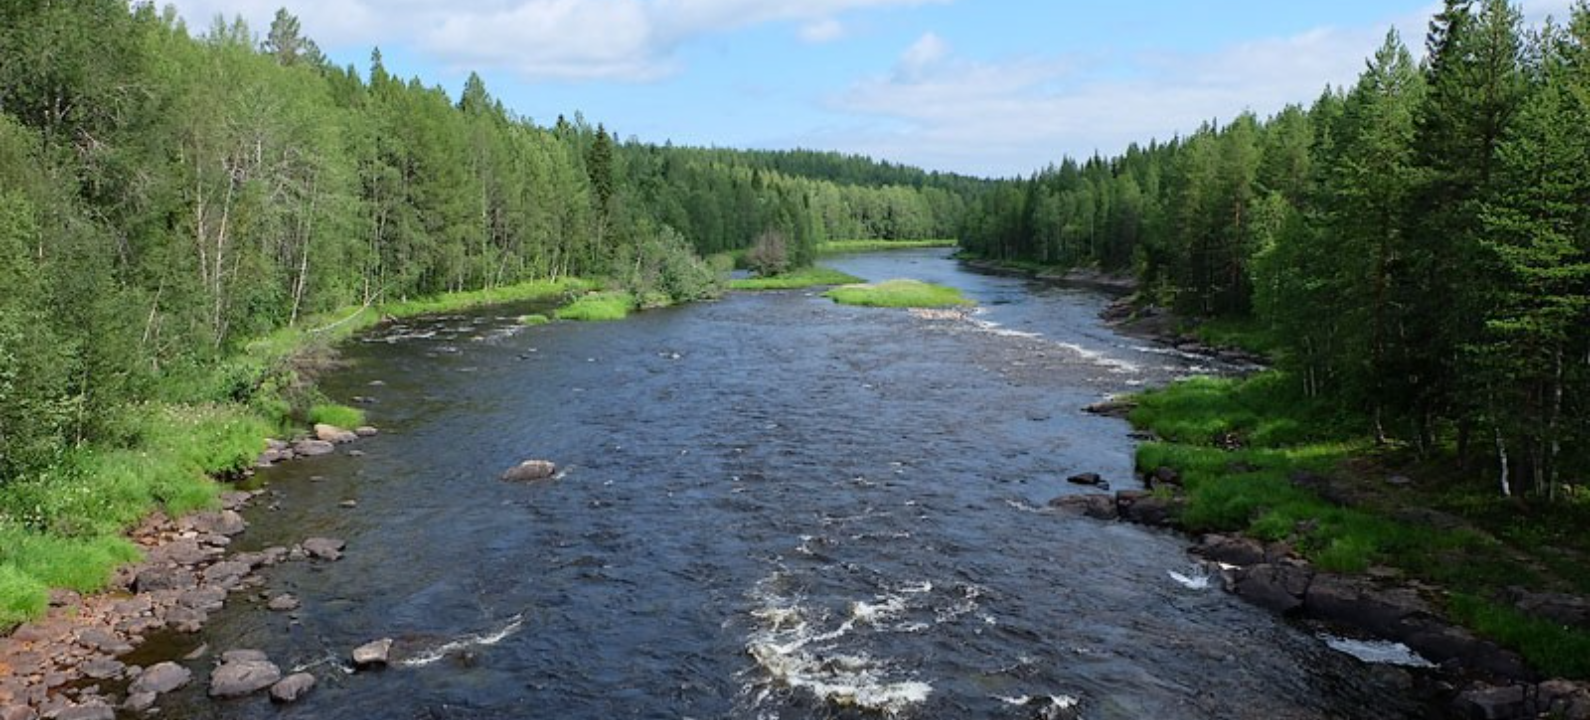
column 340, row 416
column 1239, row 444
column 598, row 307
column 814, row 276
column 835, row 247
column 898, row 294
column 1244, row 334
column 534, row 319
column 22, row 596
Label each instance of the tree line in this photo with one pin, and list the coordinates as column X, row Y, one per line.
column 1418, row 243
column 165, row 196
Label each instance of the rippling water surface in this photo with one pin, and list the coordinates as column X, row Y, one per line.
column 773, row 507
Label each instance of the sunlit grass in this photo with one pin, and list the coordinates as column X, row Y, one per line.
column 340, row 416
column 815, row 276
column 598, row 307
column 898, row 294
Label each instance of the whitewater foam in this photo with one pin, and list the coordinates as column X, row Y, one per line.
column 1377, row 652
column 467, row 642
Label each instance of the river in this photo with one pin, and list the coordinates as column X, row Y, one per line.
column 772, row 506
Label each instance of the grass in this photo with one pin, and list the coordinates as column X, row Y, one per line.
column 65, row 527
column 898, row 294
column 598, row 307
column 1241, row 446
column 340, row 416
column 1244, row 334
column 835, row 247
column 534, row 319
column 814, row 276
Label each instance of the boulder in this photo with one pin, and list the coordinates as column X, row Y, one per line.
column 1357, row 602
column 103, row 668
column 1092, row 479
column 1146, row 508
column 140, row 702
column 365, row 431
column 185, row 551
column 226, row 574
column 313, row 448
column 103, row 641
column 225, row 522
column 1279, row 588
column 155, row 579
column 237, row 679
column 530, row 470
column 1239, row 551
column 161, row 679
column 240, row 656
column 1490, row 703
column 291, row 688
column 1164, row 475
column 185, row 619
column 205, row 599
column 17, row 712
column 1113, row 407
column 324, row 548
column 1098, row 507
column 93, row 710
column 372, row 654
column 333, row 434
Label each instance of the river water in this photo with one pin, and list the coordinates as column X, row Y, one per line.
column 771, row 507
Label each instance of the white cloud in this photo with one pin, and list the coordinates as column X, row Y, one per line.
column 631, row 40
column 927, row 51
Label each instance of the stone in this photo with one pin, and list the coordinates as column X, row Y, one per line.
column 530, row 471
column 139, row 702
column 1490, row 703
column 206, row 599
column 1096, row 506
column 283, row 603
column 366, row 431
column 1278, row 588
column 224, row 573
column 17, row 712
column 291, row 688
column 334, row 434
column 313, row 448
column 101, row 668
column 1357, row 602
column 348, row 504
column 1147, row 508
column 372, row 654
column 237, row 679
column 61, row 597
column 103, row 641
column 1092, row 479
column 89, row 711
column 160, row 679
column 154, row 579
column 1164, row 475
column 185, row 619
column 324, row 548
column 236, row 499
column 1239, row 551
column 225, row 522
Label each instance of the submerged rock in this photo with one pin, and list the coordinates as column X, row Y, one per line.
column 161, row 679
column 324, row 548
column 291, row 688
column 530, row 470
column 1092, row 479
column 1098, row 507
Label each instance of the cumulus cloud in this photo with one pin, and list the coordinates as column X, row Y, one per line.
column 631, row 40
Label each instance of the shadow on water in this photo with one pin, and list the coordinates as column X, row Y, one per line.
column 773, row 507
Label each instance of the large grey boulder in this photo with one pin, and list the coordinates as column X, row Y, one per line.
column 530, row 471
column 245, row 677
column 161, row 679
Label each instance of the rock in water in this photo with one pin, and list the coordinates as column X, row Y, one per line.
column 311, row 448
column 324, row 548
column 1086, row 479
column 530, row 470
column 334, row 434
column 161, row 679
column 292, row 687
column 236, row 679
column 373, row 653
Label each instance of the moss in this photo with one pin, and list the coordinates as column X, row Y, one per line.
column 899, row 294
column 814, row 276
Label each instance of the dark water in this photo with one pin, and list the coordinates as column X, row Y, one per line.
column 774, row 507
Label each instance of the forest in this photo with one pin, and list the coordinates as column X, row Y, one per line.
column 168, row 196
column 1414, row 248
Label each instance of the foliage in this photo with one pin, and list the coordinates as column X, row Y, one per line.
column 838, row 247
column 340, row 416
column 769, row 255
column 813, row 276
column 900, row 293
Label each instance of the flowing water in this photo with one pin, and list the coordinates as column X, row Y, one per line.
column 771, row 507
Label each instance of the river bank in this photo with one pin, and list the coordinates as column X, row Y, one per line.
column 1301, row 514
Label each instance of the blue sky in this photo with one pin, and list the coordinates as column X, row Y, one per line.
column 984, row 87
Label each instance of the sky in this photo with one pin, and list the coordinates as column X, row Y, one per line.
column 994, row 88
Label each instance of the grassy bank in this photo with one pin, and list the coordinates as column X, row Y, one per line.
column 66, row 527
column 1257, row 458
column 898, row 294
column 836, row 247
column 815, row 276
column 598, row 307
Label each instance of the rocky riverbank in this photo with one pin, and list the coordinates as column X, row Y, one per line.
column 1478, row 678
column 70, row 665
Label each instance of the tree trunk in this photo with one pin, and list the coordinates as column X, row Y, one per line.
column 1501, row 457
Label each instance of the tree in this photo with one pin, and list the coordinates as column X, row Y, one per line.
column 288, row 46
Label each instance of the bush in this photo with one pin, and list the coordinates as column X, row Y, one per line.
column 661, row 269
column 769, row 255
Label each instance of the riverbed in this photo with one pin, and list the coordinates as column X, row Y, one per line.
column 770, row 506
